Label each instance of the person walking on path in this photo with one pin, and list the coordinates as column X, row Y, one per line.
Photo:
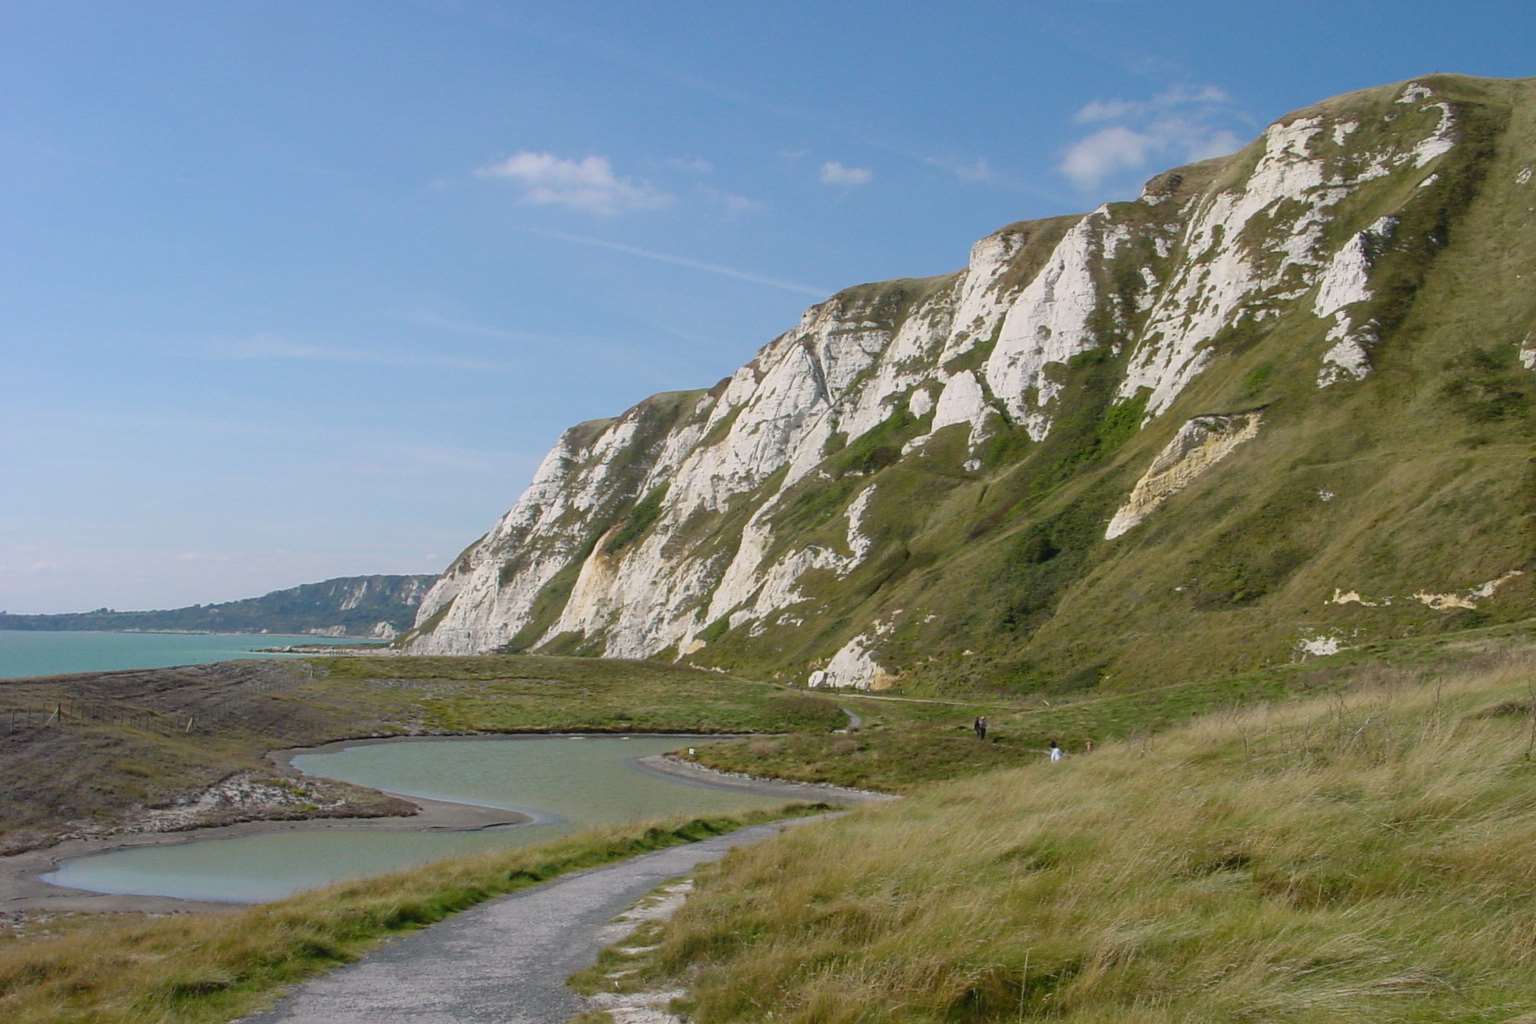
column 1056, row 751
column 980, row 725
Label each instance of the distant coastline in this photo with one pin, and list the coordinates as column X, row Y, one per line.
column 359, row 607
column 344, row 639
column 349, row 646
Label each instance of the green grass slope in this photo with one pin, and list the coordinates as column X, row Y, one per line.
column 1419, row 479
column 1360, row 857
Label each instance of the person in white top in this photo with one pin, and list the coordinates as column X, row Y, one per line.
column 1055, row 751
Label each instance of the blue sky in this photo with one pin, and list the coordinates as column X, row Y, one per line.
column 297, row 290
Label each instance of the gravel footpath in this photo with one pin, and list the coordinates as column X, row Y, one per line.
column 506, row 960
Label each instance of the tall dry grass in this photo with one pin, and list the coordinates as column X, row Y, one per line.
column 1362, row 858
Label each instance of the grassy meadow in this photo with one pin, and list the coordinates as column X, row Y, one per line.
column 905, row 744
column 1342, row 839
column 541, row 693
column 1357, row 856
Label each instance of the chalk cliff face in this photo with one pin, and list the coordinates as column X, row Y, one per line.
column 1106, row 429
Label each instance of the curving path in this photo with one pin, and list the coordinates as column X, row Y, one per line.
column 504, row 961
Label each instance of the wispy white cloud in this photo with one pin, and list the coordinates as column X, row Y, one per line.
column 975, row 171
column 981, row 171
column 457, row 325
column 733, row 204
column 206, row 557
column 691, row 165
column 1169, row 99
column 449, row 457
column 1204, row 144
column 1185, row 122
column 688, row 336
column 272, row 347
column 835, row 173
column 688, row 262
column 1090, row 160
column 589, row 184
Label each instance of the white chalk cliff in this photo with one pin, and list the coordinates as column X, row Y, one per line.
column 744, row 510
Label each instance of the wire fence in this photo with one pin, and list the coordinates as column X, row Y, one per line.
column 74, row 714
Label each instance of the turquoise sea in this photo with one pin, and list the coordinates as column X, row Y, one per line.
column 43, row 653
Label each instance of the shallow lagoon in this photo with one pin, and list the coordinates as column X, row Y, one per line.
column 564, row 783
